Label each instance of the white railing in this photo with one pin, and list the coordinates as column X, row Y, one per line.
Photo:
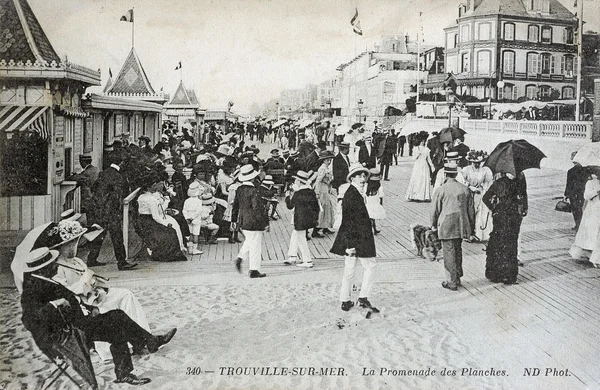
column 546, row 129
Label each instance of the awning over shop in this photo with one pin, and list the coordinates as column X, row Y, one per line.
column 72, row 111
column 24, row 118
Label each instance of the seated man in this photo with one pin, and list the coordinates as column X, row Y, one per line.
column 48, row 307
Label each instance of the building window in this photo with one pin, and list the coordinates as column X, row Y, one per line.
column 508, row 63
column 509, row 31
column 483, row 62
column 484, row 31
column 508, row 92
column 546, row 60
column 464, row 63
column 465, row 33
column 533, row 33
column 455, row 40
column 568, row 93
column 546, row 34
column 568, row 36
column 531, row 92
column 533, row 64
column 567, row 65
column 552, row 64
column 545, row 91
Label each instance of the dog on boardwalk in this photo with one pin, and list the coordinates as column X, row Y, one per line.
column 426, row 241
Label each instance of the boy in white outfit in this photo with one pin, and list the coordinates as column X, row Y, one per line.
column 192, row 212
column 208, row 209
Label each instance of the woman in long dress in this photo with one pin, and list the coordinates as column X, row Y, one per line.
column 325, row 193
column 506, row 198
column 586, row 240
column 419, row 187
column 158, row 229
column 479, row 178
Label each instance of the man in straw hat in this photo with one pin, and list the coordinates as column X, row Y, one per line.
column 355, row 239
column 441, row 175
column 48, row 307
column 249, row 211
column 453, row 217
column 304, row 201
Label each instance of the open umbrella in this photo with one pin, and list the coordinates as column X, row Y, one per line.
column 342, row 130
column 357, row 125
column 449, row 134
column 514, row 156
column 279, row 123
column 588, row 155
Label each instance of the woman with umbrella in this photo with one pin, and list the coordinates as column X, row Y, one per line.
column 507, row 200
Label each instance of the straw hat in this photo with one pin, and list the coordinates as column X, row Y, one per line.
column 57, row 234
column 451, row 167
column 208, row 199
column 476, row 155
column 304, row 177
column 69, row 215
column 374, row 174
column 452, row 156
column 247, row 173
column 268, row 181
column 344, row 145
column 193, row 189
column 275, row 153
column 355, row 170
column 39, row 258
column 327, row 154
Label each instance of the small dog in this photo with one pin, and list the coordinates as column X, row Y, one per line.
column 426, row 241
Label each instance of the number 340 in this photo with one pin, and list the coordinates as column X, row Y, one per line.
column 193, row 371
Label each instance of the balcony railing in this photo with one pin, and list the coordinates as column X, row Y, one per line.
column 547, row 129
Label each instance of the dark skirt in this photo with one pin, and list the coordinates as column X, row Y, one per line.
column 162, row 240
column 502, row 264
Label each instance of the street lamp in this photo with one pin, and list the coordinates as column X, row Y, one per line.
column 450, row 95
column 277, row 105
column 360, row 105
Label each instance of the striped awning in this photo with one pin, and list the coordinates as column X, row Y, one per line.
column 72, row 111
column 24, row 118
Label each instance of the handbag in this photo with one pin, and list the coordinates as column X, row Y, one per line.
column 563, row 206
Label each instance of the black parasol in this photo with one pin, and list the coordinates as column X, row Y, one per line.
column 449, row 134
column 514, row 156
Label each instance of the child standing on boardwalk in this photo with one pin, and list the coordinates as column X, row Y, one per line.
column 375, row 198
column 304, row 201
column 192, row 212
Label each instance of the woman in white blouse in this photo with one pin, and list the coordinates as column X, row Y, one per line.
column 159, row 230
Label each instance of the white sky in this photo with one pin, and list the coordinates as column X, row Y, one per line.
column 241, row 50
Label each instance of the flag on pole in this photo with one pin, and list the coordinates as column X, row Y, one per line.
column 178, row 66
column 109, row 72
column 128, row 17
column 356, row 24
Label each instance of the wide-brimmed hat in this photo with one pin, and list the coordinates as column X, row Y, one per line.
column 312, row 175
column 268, row 181
column 374, row 174
column 185, row 145
column 144, row 138
column 476, row 155
column 39, row 258
column 223, row 150
column 452, row 156
column 69, row 215
column 286, row 152
column 57, row 234
column 247, row 173
column 235, row 174
column 275, row 153
column 208, row 199
column 451, row 167
column 325, row 155
column 344, row 145
column 355, row 170
column 303, row 176
column 193, row 189
column 85, row 157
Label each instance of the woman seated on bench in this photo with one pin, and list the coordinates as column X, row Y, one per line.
column 160, row 231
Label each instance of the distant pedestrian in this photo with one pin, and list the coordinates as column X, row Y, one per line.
column 355, row 240
column 401, row 142
column 375, row 196
column 389, row 151
column 577, row 176
column 586, row 240
column 453, row 218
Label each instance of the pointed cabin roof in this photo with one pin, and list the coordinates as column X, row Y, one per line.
column 22, row 38
column 184, row 97
column 108, row 84
column 132, row 78
column 517, row 8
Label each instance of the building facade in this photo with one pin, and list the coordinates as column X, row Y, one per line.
column 513, row 49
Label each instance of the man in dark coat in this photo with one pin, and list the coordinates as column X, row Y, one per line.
column 251, row 214
column 401, row 142
column 436, row 153
column 48, row 307
column 453, row 217
column 389, row 151
column 303, row 200
column 109, row 192
column 355, row 239
column 341, row 166
column 462, row 150
column 367, row 154
column 312, row 162
column 577, row 176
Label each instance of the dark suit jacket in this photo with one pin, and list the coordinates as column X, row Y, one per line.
column 306, row 208
column 86, row 180
column 249, row 210
column 577, row 176
column 109, row 191
column 462, row 150
column 340, row 171
column 366, row 159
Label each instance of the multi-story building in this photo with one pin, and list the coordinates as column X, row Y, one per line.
column 511, row 49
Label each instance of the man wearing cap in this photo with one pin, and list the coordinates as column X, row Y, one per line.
column 250, row 212
column 304, row 201
column 453, row 217
column 355, row 240
column 48, row 307
column 108, row 193
column 451, row 156
column 341, row 165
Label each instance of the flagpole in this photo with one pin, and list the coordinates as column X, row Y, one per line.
column 579, row 59
column 418, row 57
column 132, row 27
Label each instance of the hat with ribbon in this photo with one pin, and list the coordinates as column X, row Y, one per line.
column 275, row 153
column 451, row 167
column 374, row 174
column 325, row 155
column 208, row 199
column 452, row 156
column 57, row 234
column 39, row 258
column 268, row 181
column 356, row 169
column 344, row 145
column 476, row 155
column 193, row 189
column 247, row 173
column 69, row 215
column 304, row 177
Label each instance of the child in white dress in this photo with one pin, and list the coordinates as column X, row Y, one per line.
column 375, row 196
column 192, row 212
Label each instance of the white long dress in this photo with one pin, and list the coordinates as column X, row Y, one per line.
column 480, row 179
column 587, row 236
column 74, row 274
column 419, row 187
